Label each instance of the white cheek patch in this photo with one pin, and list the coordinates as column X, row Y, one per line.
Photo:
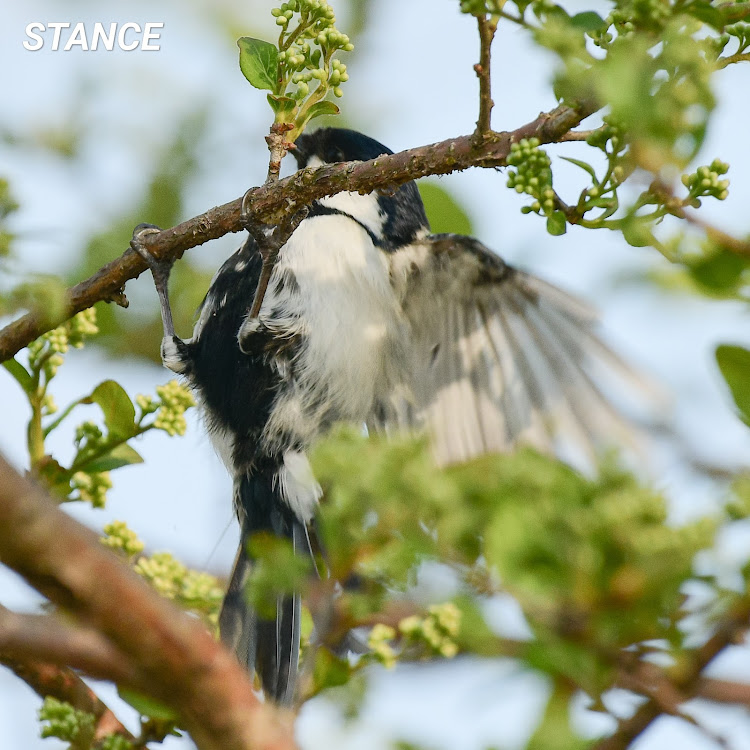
column 364, row 208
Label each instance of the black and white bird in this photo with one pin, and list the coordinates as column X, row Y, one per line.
column 369, row 318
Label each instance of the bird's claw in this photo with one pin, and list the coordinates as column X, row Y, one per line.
column 158, row 267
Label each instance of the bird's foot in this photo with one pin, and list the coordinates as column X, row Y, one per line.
column 160, row 269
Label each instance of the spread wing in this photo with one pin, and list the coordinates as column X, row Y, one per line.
column 497, row 357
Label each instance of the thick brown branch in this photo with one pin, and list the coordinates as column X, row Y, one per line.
column 51, row 680
column 270, row 201
column 46, row 637
column 175, row 656
column 487, row 28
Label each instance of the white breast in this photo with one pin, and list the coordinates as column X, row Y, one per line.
column 348, row 317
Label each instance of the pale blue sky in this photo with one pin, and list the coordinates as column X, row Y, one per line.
column 411, row 82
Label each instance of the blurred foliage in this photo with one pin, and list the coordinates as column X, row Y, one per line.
column 598, row 572
column 734, row 363
column 162, row 204
column 444, row 212
column 8, row 206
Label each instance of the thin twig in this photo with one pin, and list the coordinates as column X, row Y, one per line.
column 722, row 62
column 487, row 27
column 676, row 207
column 278, row 147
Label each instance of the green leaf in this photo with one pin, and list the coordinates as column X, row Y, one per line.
column 259, row 62
column 121, row 455
column 444, row 212
column 556, row 223
column 283, row 106
column 316, row 110
column 706, row 12
column 322, row 108
column 147, row 706
column 734, row 363
column 588, row 21
column 585, row 166
column 20, row 373
column 330, row 670
column 637, row 233
column 721, row 271
column 118, row 409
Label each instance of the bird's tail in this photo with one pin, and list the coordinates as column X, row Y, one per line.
column 268, row 647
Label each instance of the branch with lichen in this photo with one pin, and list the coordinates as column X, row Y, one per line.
column 272, row 201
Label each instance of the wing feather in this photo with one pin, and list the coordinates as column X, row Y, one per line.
column 498, row 358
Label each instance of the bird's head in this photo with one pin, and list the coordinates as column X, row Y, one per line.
column 395, row 216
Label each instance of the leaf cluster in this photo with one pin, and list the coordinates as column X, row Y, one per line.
column 304, row 55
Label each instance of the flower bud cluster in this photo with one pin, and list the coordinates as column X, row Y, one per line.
column 610, row 134
column 92, row 488
column 147, row 404
column 116, row 742
column 317, row 28
column 195, row 590
column 532, row 175
column 121, row 538
column 46, row 351
column 88, row 435
column 379, row 642
column 175, row 400
column 65, row 722
column 651, row 15
column 80, row 326
column 705, row 182
column 337, row 76
column 438, row 630
column 48, row 405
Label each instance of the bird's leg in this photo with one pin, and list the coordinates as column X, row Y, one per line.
column 172, row 347
column 160, row 270
column 270, row 239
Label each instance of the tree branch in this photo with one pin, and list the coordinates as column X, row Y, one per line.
column 176, row 658
column 723, row 691
column 46, row 637
column 271, row 201
column 686, row 680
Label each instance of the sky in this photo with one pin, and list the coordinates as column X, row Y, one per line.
column 411, row 82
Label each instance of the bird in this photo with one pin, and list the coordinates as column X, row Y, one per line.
column 370, row 319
